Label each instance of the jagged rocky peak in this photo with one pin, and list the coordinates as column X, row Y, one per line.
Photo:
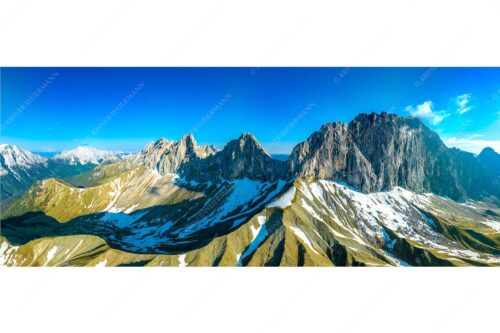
column 245, row 157
column 246, row 144
column 159, row 144
column 167, row 156
column 153, row 151
column 329, row 127
column 375, row 130
column 249, row 138
column 156, row 148
column 374, row 118
column 189, row 141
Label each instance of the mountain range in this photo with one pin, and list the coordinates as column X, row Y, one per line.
column 379, row 190
column 20, row 168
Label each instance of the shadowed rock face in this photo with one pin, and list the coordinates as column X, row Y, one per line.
column 241, row 158
column 373, row 153
column 491, row 160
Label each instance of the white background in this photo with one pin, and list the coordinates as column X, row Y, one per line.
column 259, row 33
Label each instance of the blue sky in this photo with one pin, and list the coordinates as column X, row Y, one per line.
column 51, row 109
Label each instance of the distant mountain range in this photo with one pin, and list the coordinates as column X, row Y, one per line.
column 380, row 190
column 20, row 168
column 85, row 155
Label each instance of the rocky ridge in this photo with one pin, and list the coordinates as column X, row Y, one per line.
column 372, row 153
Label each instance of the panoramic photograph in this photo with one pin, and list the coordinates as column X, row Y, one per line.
column 242, row 166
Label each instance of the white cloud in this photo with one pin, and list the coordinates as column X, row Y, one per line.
column 471, row 144
column 426, row 112
column 463, row 103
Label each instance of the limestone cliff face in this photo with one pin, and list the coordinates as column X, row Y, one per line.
column 330, row 154
column 380, row 151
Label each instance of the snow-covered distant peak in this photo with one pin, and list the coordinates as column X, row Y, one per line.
column 86, row 155
column 12, row 157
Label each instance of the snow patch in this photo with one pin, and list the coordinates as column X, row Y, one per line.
column 304, row 238
column 51, row 253
column 182, row 260
column 495, row 225
column 310, row 210
column 429, row 221
column 285, row 200
column 6, row 251
column 130, row 209
column 255, row 230
column 102, row 263
column 116, row 186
